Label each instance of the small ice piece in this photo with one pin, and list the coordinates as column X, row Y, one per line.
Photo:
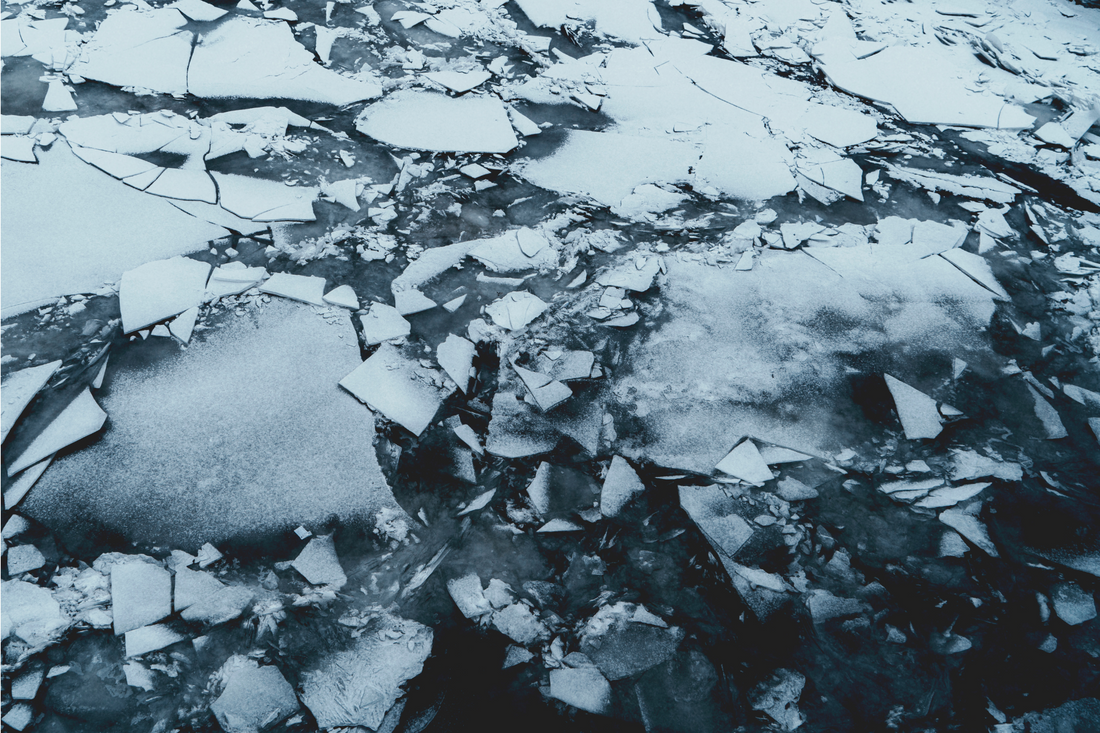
column 548, row 393
column 81, row 418
column 714, row 512
column 303, row 533
column 58, row 98
column 895, row 487
column 977, row 268
column 224, row 605
column 479, row 502
column 23, row 559
column 516, row 655
column 475, row 171
column 520, row 624
column 583, row 687
column 637, row 275
column 953, row 545
column 932, row 237
column 460, row 82
column 254, row 697
column 777, row 697
column 138, row 676
column 452, row 305
column 18, row 148
column 159, row 290
column 25, row 687
column 150, row 639
column 382, row 323
column 467, row 435
column 308, row 289
column 621, row 646
column 951, row 495
column 410, row 301
column 281, row 14
column 342, row 296
column 560, row 525
column 456, row 356
column 20, row 715
column 1048, row 416
column 969, row 465
column 197, row 10
column 791, row 489
column 620, row 487
column 1082, row 396
column 971, row 528
column 515, row 310
column 17, row 391
column 400, row 389
column 917, row 411
column 524, row 125
column 183, row 325
column 357, row 686
column 419, row 120
column 469, row 596
column 15, row 526
column 319, row 564
column 744, row 462
column 141, row 594
column 1073, row 604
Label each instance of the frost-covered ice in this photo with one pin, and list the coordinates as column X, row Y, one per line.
column 433, row 121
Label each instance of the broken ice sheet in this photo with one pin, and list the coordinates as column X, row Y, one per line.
column 82, row 417
column 584, row 688
column 318, row 563
column 515, row 310
column 622, row 647
column 419, row 120
column 225, row 437
column 18, row 389
column 307, row 289
column 383, row 323
column 919, row 416
column 456, row 356
column 254, row 697
column 357, row 686
column 714, row 512
column 399, row 388
column 141, row 594
column 620, row 487
column 971, row 528
column 744, row 462
column 159, row 290
column 151, row 639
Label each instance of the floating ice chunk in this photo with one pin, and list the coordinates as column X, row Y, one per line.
column 516, row 655
column 621, row 646
column 139, row 48
column 713, row 511
column 281, row 14
column 823, row 606
column 150, row 639
column 16, row 124
column 319, row 564
column 636, row 275
column 431, row 121
column 777, row 697
column 547, row 393
column 138, row 676
column 263, row 200
column 159, row 290
column 951, row 495
column 19, row 716
column 917, row 411
column 791, row 489
column 620, row 487
column 838, row 126
column 519, row 249
column 923, row 84
column 81, row 418
column 583, row 687
column 343, row 296
column 141, row 594
column 25, row 687
column 193, row 586
column 198, row 10
column 469, row 596
column 520, row 624
column 475, row 171
column 970, row 528
column 480, row 502
column 1055, row 134
column 775, row 454
column 842, row 175
column 631, row 20
column 400, row 389
column 18, row 148
column 978, row 269
column 31, row 613
column 58, row 98
column 183, row 325
column 910, row 487
column 410, row 301
column 23, row 559
column 515, row 310
column 742, row 165
column 18, row 488
column 357, row 686
column 1082, row 396
column 1073, row 604
column 307, row 289
column 1048, row 416
column 524, row 125
column 459, row 82
column 456, row 356
column 648, row 199
column 931, row 237
column 989, row 189
column 383, row 323
column 18, row 389
column 559, row 525
column 745, row 462
column 254, row 697
column 970, row 465
column 260, row 59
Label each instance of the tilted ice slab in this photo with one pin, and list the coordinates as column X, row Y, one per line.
column 246, row 431
column 773, row 366
column 925, row 86
column 96, row 229
column 238, row 57
column 432, row 121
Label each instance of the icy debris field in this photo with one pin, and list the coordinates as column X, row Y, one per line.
column 624, row 366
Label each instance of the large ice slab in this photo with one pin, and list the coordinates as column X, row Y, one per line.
column 139, row 48
column 97, row 228
column 432, row 121
column 243, row 432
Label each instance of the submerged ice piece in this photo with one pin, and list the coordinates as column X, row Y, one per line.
column 919, row 416
column 358, row 686
column 431, row 121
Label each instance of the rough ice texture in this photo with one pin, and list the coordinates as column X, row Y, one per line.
column 246, row 431
column 432, row 121
column 357, row 686
column 254, row 697
column 97, row 228
column 702, row 383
